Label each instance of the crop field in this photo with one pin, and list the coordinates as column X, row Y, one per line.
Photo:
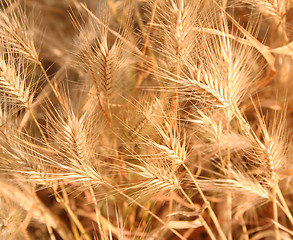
column 146, row 119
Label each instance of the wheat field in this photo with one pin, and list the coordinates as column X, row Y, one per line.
column 146, row 119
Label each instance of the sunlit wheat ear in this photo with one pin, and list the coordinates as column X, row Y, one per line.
column 152, row 172
column 211, row 127
column 241, row 183
column 173, row 145
column 222, row 75
column 248, row 191
column 151, row 163
column 8, row 118
column 273, row 145
column 176, row 21
column 105, row 57
column 136, row 119
column 74, row 147
column 154, row 118
column 15, row 85
column 21, row 154
column 15, row 30
column 153, row 177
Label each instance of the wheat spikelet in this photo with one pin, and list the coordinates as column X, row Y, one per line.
column 14, row 87
column 15, row 30
column 176, row 20
column 74, row 149
column 105, row 57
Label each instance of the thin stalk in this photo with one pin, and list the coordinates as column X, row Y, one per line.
column 147, row 210
column 52, row 221
column 47, row 78
column 77, row 222
column 144, row 48
column 73, row 216
column 212, row 213
column 206, row 226
column 229, row 194
column 244, row 228
column 73, row 226
column 114, row 11
column 284, row 204
column 38, row 125
column 74, row 229
column 95, row 203
column 275, row 208
column 50, row 230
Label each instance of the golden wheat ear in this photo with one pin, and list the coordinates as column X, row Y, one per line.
column 15, row 86
column 105, row 56
column 15, row 30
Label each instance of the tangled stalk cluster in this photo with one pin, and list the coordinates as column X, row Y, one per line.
column 146, row 119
